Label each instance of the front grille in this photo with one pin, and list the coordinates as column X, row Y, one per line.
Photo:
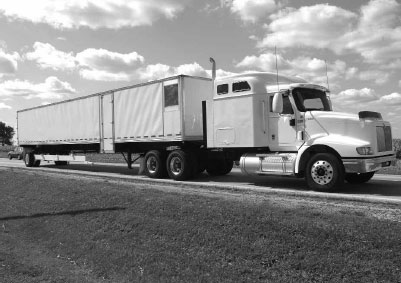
column 384, row 138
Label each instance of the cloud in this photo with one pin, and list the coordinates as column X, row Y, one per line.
column 105, row 65
column 377, row 76
column 52, row 88
column 378, row 34
column 94, row 14
column 101, row 64
column 251, row 11
column 391, row 99
column 315, row 26
column 8, row 63
column 355, row 96
column 311, row 69
column 4, row 106
column 374, row 33
column 47, row 56
column 158, row 71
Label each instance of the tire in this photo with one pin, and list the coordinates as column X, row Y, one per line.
column 219, row 167
column 20, row 157
column 29, row 159
column 324, row 172
column 60, row 163
column 155, row 165
column 358, row 178
column 10, row 157
column 36, row 163
column 180, row 167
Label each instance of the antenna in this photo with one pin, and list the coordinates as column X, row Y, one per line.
column 327, row 76
column 275, row 53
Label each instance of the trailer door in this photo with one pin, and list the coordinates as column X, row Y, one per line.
column 107, row 123
column 172, row 116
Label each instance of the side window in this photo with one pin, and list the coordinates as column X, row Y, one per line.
column 287, row 107
column 241, row 86
column 170, row 95
column 222, row 89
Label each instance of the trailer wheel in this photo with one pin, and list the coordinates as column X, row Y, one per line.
column 60, row 163
column 36, row 163
column 219, row 167
column 358, row 178
column 29, row 159
column 155, row 164
column 324, row 172
column 180, row 167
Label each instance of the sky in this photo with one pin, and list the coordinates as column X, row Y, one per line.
column 56, row 50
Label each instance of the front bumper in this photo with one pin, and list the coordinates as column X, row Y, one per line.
column 368, row 164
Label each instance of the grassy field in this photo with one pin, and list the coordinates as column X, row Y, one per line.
column 57, row 228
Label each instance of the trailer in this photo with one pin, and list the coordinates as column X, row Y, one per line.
column 180, row 126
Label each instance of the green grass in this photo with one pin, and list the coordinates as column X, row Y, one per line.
column 69, row 230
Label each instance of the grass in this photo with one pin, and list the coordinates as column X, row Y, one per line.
column 60, row 229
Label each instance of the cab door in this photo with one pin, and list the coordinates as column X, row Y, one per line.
column 284, row 127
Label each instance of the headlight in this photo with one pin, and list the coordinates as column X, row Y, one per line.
column 365, row 150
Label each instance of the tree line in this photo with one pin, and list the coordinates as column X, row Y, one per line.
column 6, row 134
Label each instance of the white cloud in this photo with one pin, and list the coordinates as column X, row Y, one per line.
column 311, row 69
column 101, row 64
column 253, row 10
column 379, row 77
column 378, row 34
column 8, row 63
column 374, row 33
column 316, row 26
column 47, row 56
column 4, row 106
column 352, row 96
column 391, row 99
column 94, row 14
column 52, row 88
column 158, row 71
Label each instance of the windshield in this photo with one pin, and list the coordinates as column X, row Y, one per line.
column 308, row 99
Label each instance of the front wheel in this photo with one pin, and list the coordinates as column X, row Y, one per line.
column 324, row 172
column 358, row 178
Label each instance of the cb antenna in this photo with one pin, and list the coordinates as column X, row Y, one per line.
column 275, row 53
column 327, row 76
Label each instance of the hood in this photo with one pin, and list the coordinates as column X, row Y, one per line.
column 323, row 123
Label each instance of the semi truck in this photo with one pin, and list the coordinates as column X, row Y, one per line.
column 181, row 126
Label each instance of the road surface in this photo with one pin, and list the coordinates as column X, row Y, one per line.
column 382, row 188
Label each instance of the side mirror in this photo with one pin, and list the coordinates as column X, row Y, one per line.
column 277, row 105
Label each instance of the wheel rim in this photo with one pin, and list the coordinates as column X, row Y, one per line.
column 322, row 172
column 151, row 164
column 176, row 166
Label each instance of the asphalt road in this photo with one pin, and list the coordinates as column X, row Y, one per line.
column 382, row 188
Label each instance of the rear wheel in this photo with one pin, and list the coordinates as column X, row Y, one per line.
column 324, row 172
column 358, row 178
column 29, row 159
column 155, row 164
column 180, row 167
